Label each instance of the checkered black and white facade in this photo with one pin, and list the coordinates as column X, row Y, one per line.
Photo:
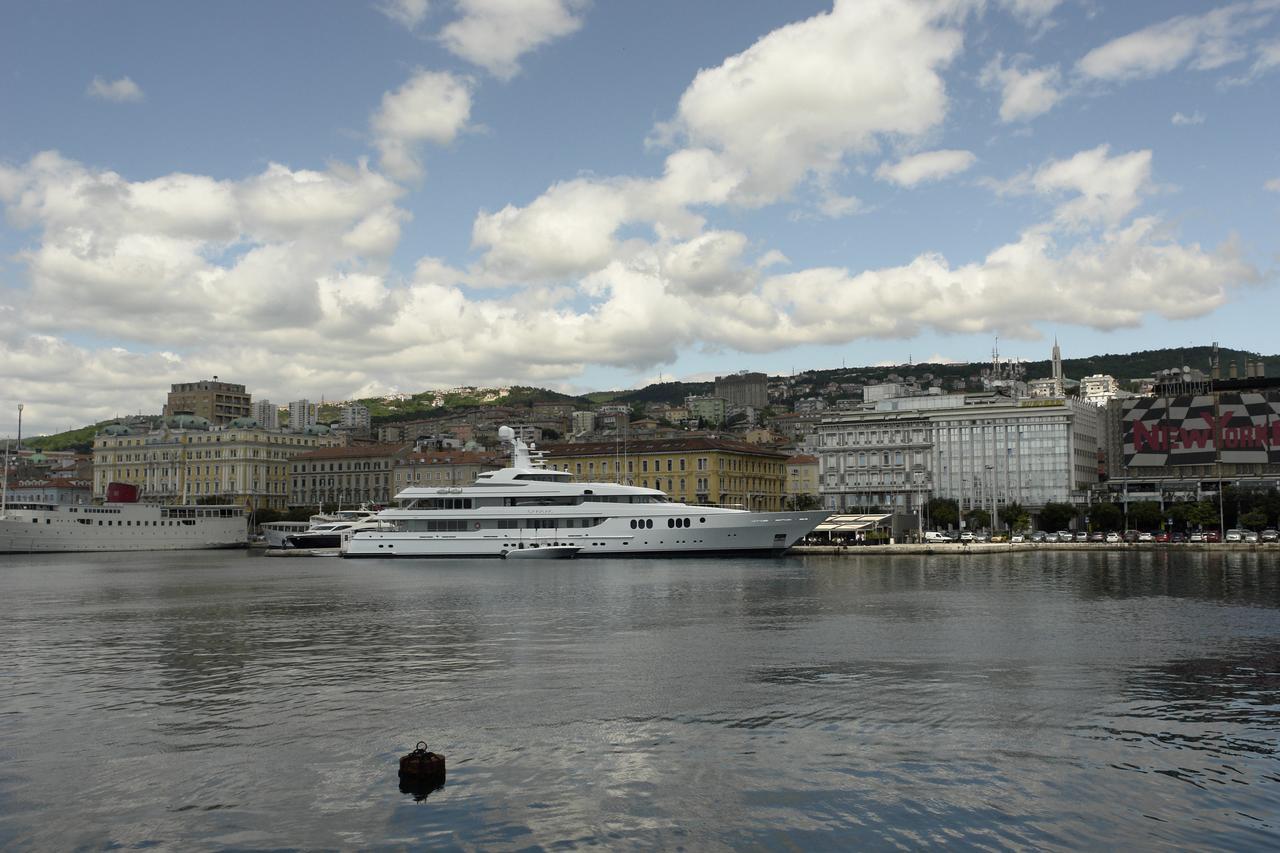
column 1241, row 428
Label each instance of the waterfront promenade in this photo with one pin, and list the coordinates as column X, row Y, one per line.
column 953, row 548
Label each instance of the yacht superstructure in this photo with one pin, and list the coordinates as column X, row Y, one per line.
column 527, row 504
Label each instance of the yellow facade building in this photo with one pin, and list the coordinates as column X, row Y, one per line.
column 187, row 459
column 696, row 470
column 802, row 481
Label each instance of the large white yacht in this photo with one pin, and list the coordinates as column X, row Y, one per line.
column 122, row 525
column 529, row 506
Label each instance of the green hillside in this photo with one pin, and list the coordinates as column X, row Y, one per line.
column 422, row 406
column 79, row 440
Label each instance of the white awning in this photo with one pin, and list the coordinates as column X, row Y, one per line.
column 853, row 523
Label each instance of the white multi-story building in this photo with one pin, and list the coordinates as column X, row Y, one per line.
column 302, row 414
column 982, row 450
column 583, row 423
column 1099, row 388
column 353, row 416
column 267, row 414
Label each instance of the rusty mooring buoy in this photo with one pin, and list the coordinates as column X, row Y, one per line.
column 421, row 771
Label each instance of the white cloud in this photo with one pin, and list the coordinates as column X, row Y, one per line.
column 922, row 168
column 710, row 263
column 256, row 284
column 1268, row 58
column 568, row 229
column 1103, row 189
column 760, row 112
column 834, row 206
column 494, row 34
column 1206, row 42
column 123, row 90
column 1031, row 12
column 1182, row 119
column 571, row 228
column 1025, row 92
column 1110, row 188
column 180, row 257
column 407, row 13
column 432, row 106
column 1112, row 283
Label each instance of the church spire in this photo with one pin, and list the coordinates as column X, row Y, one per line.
column 1059, row 387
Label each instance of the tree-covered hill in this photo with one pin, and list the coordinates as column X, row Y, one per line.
column 432, row 404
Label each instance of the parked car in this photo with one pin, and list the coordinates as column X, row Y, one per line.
column 1131, row 536
column 936, row 536
column 966, row 536
column 1197, row 537
column 1212, row 536
column 1017, row 537
column 1081, row 536
column 1097, row 537
column 1064, row 536
column 1269, row 535
column 1235, row 535
column 1251, row 537
column 1040, row 536
column 1113, row 538
column 982, row 537
column 1178, row 537
column 1164, row 536
column 1147, row 537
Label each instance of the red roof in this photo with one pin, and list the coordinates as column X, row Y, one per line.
column 357, row 451
column 659, row 445
column 458, row 457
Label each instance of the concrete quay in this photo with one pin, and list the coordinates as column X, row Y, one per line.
column 1005, row 547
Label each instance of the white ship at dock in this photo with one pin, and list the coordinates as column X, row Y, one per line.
column 30, row 528
column 527, row 506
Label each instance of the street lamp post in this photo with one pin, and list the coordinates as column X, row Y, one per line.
column 995, row 511
column 20, row 407
column 1126, row 498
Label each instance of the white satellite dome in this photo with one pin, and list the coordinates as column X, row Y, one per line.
column 506, row 433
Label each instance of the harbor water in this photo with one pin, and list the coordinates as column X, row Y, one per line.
column 219, row 700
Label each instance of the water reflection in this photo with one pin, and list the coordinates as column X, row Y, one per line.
column 1042, row 700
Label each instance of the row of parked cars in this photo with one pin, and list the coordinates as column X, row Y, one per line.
column 1040, row 536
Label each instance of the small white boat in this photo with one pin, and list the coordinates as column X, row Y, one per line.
column 336, row 534
column 275, row 534
column 542, row 552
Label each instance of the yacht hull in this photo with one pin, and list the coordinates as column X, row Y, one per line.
column 709, row 535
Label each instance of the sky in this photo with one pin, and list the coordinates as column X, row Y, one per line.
column 331, row 199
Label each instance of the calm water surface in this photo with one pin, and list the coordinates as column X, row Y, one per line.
column 221, row 700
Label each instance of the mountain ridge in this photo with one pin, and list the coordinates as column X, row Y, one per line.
column 422, row 405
